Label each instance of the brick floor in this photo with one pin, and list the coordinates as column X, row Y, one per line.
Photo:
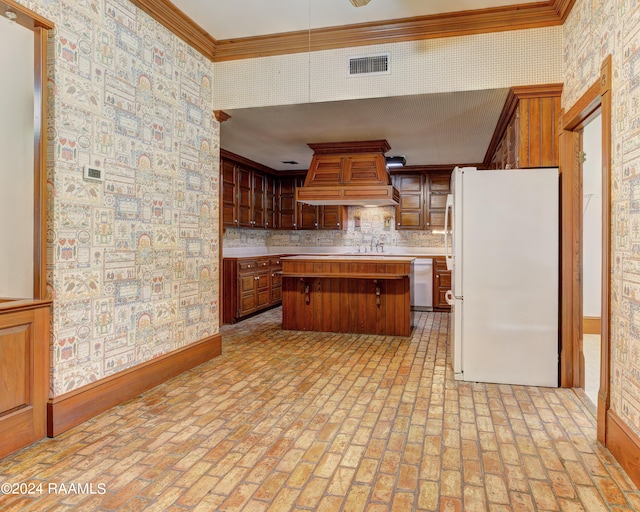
column 293, row 421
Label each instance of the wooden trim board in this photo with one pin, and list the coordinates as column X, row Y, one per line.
column 624, row 445
column 70, row 409
column 591, row 325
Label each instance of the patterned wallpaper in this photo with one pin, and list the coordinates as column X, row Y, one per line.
column 594, row 29
column 374, row 223
column 133, row 261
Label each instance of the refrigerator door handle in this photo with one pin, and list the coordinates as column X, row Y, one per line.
column 448, row 213
column 449, row 297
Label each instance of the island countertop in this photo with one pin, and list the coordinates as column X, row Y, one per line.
column 347, row 266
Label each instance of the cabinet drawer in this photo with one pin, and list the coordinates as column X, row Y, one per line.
column 245, row 265
column 264, row 263
column 275, row 262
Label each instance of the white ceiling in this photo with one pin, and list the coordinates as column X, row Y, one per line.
column 427, row 129
column 227, row 19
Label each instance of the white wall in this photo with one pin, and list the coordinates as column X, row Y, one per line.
column 16, row 162
column 592, row 218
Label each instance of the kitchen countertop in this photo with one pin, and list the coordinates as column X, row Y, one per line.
column 351, row 257
column 416, row 252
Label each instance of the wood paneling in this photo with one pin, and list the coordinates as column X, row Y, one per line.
column 24, row 373
column 71, row 409
column 527, row 131
column 624, row 444
column 367, row 306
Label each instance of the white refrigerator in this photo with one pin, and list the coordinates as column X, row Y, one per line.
column 501, row 239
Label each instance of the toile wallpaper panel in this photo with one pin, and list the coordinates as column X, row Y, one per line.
column 132, row 262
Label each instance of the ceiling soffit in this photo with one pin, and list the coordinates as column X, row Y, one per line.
column 515, row 17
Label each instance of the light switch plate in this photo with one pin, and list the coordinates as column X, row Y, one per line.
column 93, row 173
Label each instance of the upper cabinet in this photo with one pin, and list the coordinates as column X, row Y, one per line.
column 423, row 197
column 254, row 198
column 247, row 195
column 527, row 131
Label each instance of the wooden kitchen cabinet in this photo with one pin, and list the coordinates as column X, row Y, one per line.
column 441, row 284
column 423, row 197
column 229, row 193
column 287, row 202
column 250, row 285
column 271, row 211
column 332, row 217
column 527, row 131
column 438, row 187
column 410, row 213
column 246, row 202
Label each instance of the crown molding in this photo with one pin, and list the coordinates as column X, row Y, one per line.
column 167, row 14
column 480, row 21
column 515, row 17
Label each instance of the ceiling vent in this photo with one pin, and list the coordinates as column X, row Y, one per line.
column 378, row 64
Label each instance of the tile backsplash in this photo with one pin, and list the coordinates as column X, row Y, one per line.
column 375, row 224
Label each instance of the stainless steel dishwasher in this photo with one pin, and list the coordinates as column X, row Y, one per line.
column 422, row 284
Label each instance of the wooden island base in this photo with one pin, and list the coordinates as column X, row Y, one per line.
column 351, row 294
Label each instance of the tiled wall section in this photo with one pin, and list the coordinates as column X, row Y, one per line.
column 476, row 62
column 594, row 29
column 132, row 262
column 375, row 224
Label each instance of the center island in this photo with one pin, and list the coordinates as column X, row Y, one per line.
column 364, row 294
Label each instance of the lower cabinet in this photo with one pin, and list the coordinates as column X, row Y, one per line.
column 441, row 284
column 250, row 285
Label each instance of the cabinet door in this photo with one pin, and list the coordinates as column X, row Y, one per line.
column 245, row 198
column 229, row 194
column 287, row 203
column 263, row 289
column 410, row 213
column 276, row 281
column 307, row 216
column 258, row 200
column 271, row 217
column 441, row 283
column 332, row 217
column 247, row 296
column 438, row 189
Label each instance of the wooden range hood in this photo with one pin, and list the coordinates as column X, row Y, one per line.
column 349, row 174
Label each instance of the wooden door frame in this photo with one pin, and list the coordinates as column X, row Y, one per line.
column 40, row 27
column 596, row 99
